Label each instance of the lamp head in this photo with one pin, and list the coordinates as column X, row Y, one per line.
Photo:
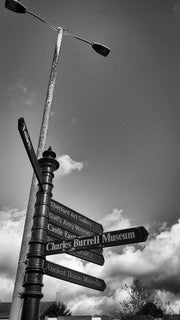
column 99, row 48
column 15, row 6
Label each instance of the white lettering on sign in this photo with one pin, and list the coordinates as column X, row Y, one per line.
column 104, row 238
column 82, row 231
column 55, row 217
column 51, row 246
column 55, row 269
column 73, row 275
column 85, row 242
column 70, row 213
column 108, row 237
column 99, row 240
column 26, row 135
column 55, row 229
column 84, row 220
column 86, row 254
column 68, row 224
column 91, row 281
column 69, row 235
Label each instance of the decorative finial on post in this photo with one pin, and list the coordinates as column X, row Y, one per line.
column 49, row 157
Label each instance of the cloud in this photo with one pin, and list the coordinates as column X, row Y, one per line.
column 67, row 165
column 155, row 262
column 19, row 93
column 73, row 123
column 7, row 214
column 115, row 220
column 11, row 228
column 93, row 304
column 6, row 286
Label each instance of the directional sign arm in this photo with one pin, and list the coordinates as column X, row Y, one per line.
column 66, row 274
column 30, row 150
column 87, row 255
column 106, row 239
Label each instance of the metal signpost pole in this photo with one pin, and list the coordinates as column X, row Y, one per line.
column 33, row 282
column 15, row 311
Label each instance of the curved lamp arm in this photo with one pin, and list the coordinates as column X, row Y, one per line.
column 18, row 7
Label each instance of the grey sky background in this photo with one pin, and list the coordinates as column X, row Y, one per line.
column 114, row 126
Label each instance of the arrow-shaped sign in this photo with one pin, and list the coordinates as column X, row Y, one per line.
column 63, row 273
column 106, row 239
column 30, row 150
column 90, row 256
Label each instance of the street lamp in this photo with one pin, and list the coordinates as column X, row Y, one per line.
column 16, row 6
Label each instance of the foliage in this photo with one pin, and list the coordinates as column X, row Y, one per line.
column 140, row 296
column 167, row 309
column 150, row 309
column 55, row 310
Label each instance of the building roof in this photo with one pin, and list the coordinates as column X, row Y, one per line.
column 5, row 308
column 103, row 317
column 5, row 311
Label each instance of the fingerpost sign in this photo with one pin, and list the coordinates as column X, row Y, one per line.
column 106, row 239
column 66, row 274
column 30, row 150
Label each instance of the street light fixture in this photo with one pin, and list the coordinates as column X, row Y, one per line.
column 18, row 7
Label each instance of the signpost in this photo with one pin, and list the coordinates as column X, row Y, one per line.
column 56, row 229
column 30, row 150
column 106, row 239
column 66, row 274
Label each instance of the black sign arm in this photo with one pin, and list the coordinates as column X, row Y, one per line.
column 30, row 150
column 105, row 239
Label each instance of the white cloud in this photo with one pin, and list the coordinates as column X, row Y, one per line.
column 156, row 262
column 9, row 215
column 115, row 221
column 11, row 229
column 6, row 286
column 84, row 304
column 19, row 93
column 67, row 165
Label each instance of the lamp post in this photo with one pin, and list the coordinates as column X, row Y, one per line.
column 18, row 7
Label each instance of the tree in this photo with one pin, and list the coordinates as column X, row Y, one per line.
column 138, row 296
column 150, row 309
column 56, row 309
column 166, row 308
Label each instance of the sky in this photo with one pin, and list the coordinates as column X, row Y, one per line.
column 115, row 130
